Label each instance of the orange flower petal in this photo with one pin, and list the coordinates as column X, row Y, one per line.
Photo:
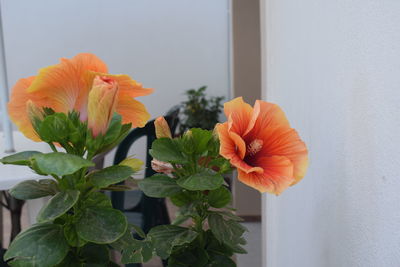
column 266, row 115
column 83, row 63
column 233, row 148
column 17, row 108
column 284, row 141
column 277, row 175
column 132, row 111
column 127, row 86
column 239, row 115
column 62, row 86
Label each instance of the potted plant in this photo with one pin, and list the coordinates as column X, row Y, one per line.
column 81, row 110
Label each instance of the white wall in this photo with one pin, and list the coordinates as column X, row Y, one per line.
column 169, row 45
column 334, row 66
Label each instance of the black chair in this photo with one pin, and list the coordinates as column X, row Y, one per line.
column 147, row 212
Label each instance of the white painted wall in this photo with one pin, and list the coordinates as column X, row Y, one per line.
column 169, row 45
column 334, row 66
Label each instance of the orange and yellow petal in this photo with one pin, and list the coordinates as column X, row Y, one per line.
column 83, row 63
column 88, row 62
column 101, row 104
column 239, row 115
column 58, row 86
column 277, row 175
column 132, row 111
column 17, row 108
column 63, row 86
column 284, row 141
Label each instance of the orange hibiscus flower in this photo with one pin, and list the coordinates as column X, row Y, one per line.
column 268, row 154
column 66, row 86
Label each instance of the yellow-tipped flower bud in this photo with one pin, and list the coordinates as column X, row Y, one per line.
column 135, row 164
column 162, row 128
column 101, row 104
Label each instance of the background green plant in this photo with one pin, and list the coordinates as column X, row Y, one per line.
column 200, row 111
column 198, row 188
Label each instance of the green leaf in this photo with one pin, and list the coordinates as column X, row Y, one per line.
column 220, row 197
column 223, row 165
column 32, row 189
column 159, row 186
column 134, row 251
column 110, row 175
column 195, row 257
column 95, row 254
column 113, row 130
column 140, row 251
column 70, row 260
column 182, row 198
column 58, row 205
column 125, row 129
column 138, row 230
column 72, row 236
column 229, row 215
column 60, row 164
column 200, row 138
column 221, row 260
column 54, row 128
column 228, row 232
column 166, row 237
column 101, row 225
column 42, row 245
column 206, row 179
column 181, row 218
column 21, row 158
column 166, row 149
column 97, row 199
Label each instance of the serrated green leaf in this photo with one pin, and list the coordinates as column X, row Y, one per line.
column 200, row 139
column 58, row 205
column 206, row 179
column 166, row 237
column 218, row 260
column 113, row 130
column 228, row 232
column 58, row 163
column 219, row 198
column 133, row 250
column 159, row 186
column 125, row 129
column 54, row 128
column 140, row 251
column 166, row 149
column 110, row 175
column 193, row 257
column 42, row 245
column 228, row 215
column 138, row 230
column 101, row 225
column 32, row 189
column 182, row 198
column 21, row 158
